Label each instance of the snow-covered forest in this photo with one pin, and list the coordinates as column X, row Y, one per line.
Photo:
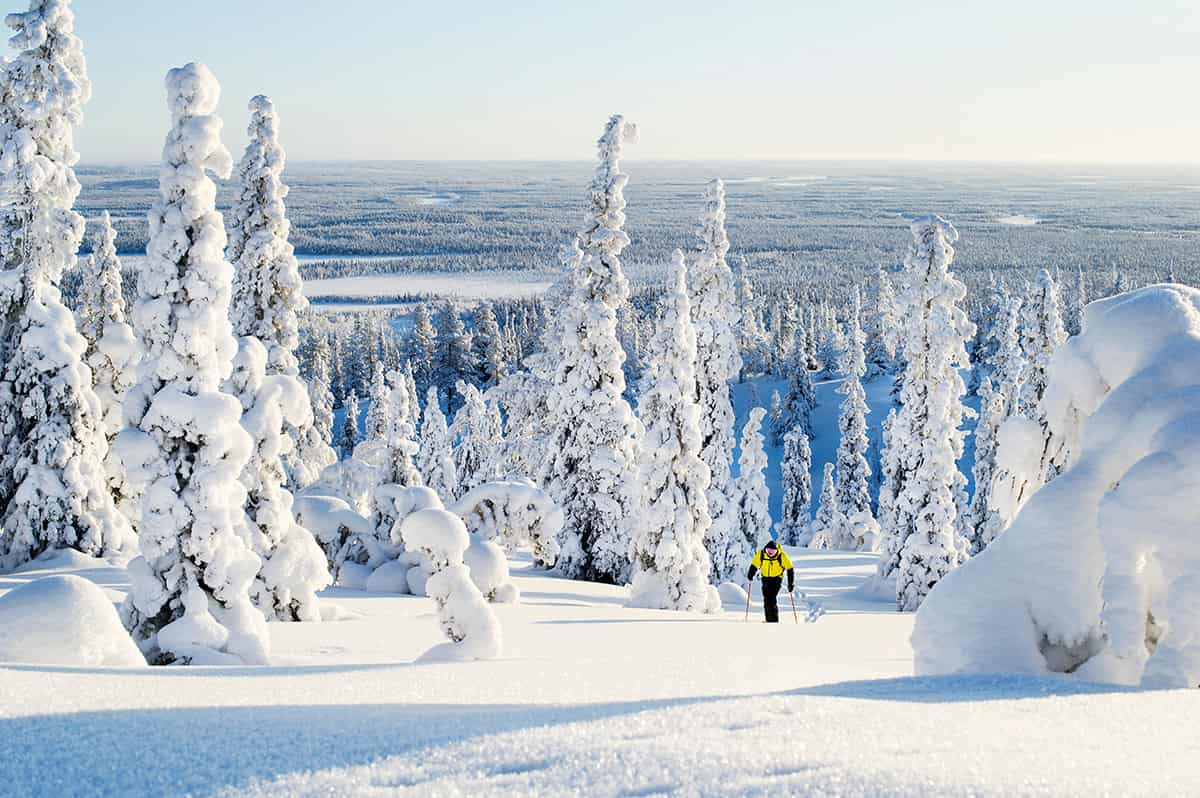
column 418, row 527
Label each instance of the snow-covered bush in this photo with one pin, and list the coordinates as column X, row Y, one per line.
column 1098, row 573
column 64, row 620
column 513, row 513
column 489, row 571
column 184, row 449
column 463, row 612
column 53, row 440
column 339, row 529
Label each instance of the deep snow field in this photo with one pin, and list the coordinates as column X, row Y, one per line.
column 588, row 698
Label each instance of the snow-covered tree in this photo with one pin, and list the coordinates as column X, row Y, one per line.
column 453, row 358
column 670, row 561
column 435, row 458
column 754, row 517
column 778, row 423
column 593, row 450
column 320, row 395
column 463, row 612
column 718, row 363
column 926, row 434
column 422, row 348
column 853, row 469
column 1000, row 490
column 399, row 438
column 486, row 347
column 348, row 437
column 801, row 397
column 795, row 514
column 827, row 524
column 190, row 589
column 293, row 566
column 476, row 441
column 380, row 410
column 52, row 425
column 1041, row 334
column 752, row 338
column 1074, row 310
column 112, row 351
column 267, row 290
column 881, row 340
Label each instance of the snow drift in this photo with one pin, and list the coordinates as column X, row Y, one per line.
column 64, row 620
column 1099, row 574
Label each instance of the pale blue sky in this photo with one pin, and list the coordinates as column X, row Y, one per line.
column 806, row 79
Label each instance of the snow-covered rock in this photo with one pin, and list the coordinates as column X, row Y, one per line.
column 64, row 620
column 1099, row 574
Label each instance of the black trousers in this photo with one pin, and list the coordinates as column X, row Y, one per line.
column 770, row 590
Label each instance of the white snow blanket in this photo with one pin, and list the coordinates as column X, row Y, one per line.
column 64, row 620
column 1099, row 574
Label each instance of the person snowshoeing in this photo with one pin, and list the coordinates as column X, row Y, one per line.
column 772, row 563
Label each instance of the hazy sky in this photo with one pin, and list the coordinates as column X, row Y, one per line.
column 463, row 79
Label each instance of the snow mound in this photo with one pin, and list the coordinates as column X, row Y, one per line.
column 489, row 571
column 391, row 577
column 64, row 620
column 1099, row 574
column 733, row 596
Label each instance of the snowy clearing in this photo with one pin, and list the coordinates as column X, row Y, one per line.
column 719, row 706
column 1019, row 220
column 469, row 285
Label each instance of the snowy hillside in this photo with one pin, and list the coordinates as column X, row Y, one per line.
column 717, row 706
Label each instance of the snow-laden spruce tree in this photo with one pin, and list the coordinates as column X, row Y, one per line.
column 778, row 424
column 801, row 397
column 795, row 514
column 476, row 444
column 828, row 521
column 453, row 359
column 670, row 561
column 112, row 351
column 320, row 395
column 1042, row 333
column 435, row 457
column 753, row 515
column 53, row 442
column 422, row 347
column 881, row 341
column 486, row 347
column 184, row 447
column 380, row 410
column 267, row 289
column 715, row 316
column 593, row 451
column 348, row 437
column 399, row 436
column 1000, row 489
column 853, row 469
column 926, row 434
column 293, row 566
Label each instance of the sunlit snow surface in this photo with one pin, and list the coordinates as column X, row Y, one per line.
column 590, row 698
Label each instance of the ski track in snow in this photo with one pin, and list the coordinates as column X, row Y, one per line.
column 589, row 697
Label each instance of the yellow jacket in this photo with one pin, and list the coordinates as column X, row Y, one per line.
column 768, row 566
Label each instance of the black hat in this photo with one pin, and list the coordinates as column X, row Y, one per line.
column 771, row 544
